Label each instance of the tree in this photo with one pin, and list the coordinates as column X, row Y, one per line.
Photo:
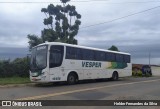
column 62, row 24
column 113, row 48
column 17, row 67
column 33, row 40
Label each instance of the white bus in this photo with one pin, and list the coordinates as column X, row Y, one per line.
column 56, row 62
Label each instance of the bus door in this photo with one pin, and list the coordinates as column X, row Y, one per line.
column 55, row 62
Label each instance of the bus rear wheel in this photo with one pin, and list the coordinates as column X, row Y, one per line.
column 115, row 76
column 71, row 79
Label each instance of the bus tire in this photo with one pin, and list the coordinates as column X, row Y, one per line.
column 71, row 79
column 115, row 76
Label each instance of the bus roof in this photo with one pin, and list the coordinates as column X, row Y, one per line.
column 78, row 46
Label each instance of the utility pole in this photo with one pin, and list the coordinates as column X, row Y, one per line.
column 149, row 59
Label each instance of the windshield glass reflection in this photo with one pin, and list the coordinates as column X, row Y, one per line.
column 39, row 57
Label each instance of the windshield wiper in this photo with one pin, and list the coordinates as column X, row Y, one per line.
column 34, row 63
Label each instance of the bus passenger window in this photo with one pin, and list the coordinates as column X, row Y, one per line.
column 56, row 56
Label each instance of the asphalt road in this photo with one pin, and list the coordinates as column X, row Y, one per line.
column 124, row 89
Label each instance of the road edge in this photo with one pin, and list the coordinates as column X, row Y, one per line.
column 16, row 85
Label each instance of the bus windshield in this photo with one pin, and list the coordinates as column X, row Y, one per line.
column 39, row 58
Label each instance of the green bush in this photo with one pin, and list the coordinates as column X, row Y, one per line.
column 137, row 73
column 133, row 73
column 18, row 67
column 148, row 75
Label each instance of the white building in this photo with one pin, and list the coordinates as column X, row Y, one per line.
column 155, row 70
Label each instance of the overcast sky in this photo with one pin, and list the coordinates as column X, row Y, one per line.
column 138, row 34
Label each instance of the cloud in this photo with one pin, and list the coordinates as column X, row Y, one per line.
column 137, row 34
column 12, row 52
column 17, row 21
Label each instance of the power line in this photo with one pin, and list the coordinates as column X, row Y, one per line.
column 132, row 2
column 120, row 17
column 57, row 2
column 102, row 0
column 82, row 1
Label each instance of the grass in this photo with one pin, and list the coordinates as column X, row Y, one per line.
column 14, row 80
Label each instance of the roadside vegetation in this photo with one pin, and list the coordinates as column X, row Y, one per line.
column 14, row 72
column 18, row 67
column 139, row 73
column 14, row 80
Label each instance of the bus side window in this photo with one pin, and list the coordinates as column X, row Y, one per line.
column 110, row 57
column 79, row 54
column 127, row 58
column 71, row 53
column 91, row 55
column 99, row 56
column 56, row 56
column 119, row 58
column 88, row 54
column 84, row 52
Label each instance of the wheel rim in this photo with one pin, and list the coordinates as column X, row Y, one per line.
column 115, row 76
column 71, row 79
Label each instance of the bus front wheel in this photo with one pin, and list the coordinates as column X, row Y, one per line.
column 115, row 76
column 71, row 79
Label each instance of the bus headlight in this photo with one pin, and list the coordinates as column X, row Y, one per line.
column 34, row 74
